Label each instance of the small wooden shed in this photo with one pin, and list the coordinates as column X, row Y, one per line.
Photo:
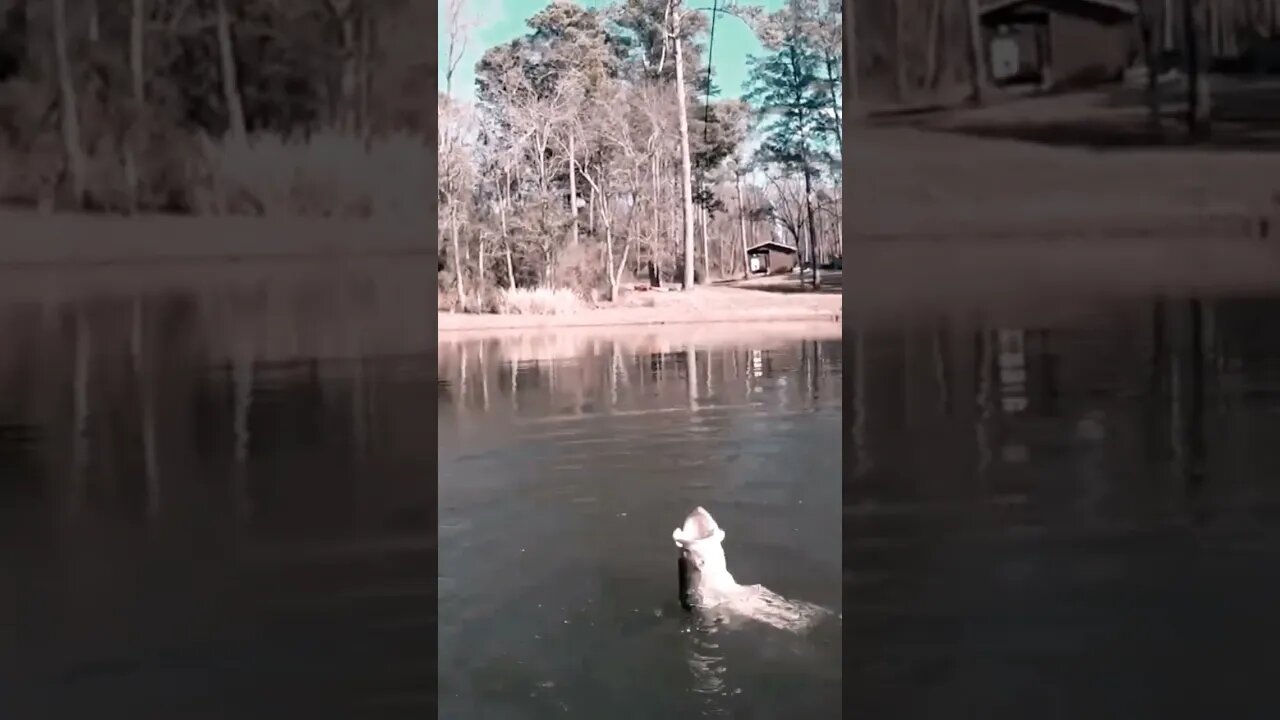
column 1059, row 43
column 771, row 257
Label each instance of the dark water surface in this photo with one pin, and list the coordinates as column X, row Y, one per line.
column 565, row 465
column 1066, row 516
column 218, row 501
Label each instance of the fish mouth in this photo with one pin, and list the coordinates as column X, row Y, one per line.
column 698, row 526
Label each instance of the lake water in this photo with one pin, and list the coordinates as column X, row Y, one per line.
column 217, row 502
column 564, row 466
column 1064, row 515
column 216, row 497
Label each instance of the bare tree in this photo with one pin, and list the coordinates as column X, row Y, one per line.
column 230, row 83
column 618, row 134
column 347, row 16
column 742, row 223
column 454, row 172
column 977, row 58
column 459, row 24
column 1198, row 91
column 68, row 106
column 675, row 14
column 94, row 21
column 137, row 74
column 560, row 115
column 1149, row 24
column 850, row 37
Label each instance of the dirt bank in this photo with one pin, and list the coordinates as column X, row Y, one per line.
column 981, row 173
column 764, row 302
column 572, row 342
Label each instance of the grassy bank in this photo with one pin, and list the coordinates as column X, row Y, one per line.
column 768, row 300
column 327, row 174
column 895, row 281
column 1067, row 165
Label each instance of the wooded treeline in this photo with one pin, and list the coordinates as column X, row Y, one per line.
column 306, row 107
column 591, row 154
column 907, row 50
column 917, row 51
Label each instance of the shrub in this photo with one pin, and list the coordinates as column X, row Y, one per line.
column 329, row 174
column 538, row 301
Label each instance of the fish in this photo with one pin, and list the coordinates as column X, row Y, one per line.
column 706, row 586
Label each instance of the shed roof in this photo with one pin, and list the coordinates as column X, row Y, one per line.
column 771, row 245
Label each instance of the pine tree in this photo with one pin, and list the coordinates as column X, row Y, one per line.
column 797, row 126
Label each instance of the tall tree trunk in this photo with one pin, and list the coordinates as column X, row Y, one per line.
column 850, row 55
column 573, row 193
column 230, row 83
column 722, row 253
column 504, row 196
column 350, row 88
column 95, row 22
column 364, row 67
column 654, row 237
column 900, row 81
column 1204, row 99
column 1149, row 25
column 742, row 229
column 137, row 40
column 977, row 55
column 457, row 257
column 68, row 107
column 686, row 179
column 706, row 247
column 137, row 74
column 1192, row 64
column 931, row 59
column 609, row 265
column 1198, row 96
column 813, row 237
column 672, row 189
column 833, row 91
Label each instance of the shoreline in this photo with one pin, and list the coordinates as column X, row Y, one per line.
column 643, row 318
column 765, row 303
column 549, row 340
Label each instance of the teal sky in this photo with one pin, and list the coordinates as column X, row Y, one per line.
column 498, row 21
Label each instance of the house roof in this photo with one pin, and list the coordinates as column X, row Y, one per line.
column 771, row 245
column 1124, row 6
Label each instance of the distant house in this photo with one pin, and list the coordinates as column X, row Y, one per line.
column 1059, row 43
column 771, row 257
